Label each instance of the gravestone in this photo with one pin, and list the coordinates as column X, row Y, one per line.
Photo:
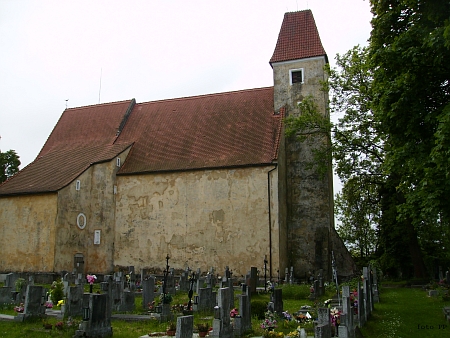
column 361, row 307
column 323, row 327
column 286, row 275
column 376, row 295
column 184, row 281
column 185, row 327
column 97, row 323
column 34, row 303
column 206, row 299
column 253, row 279
column 5, row 294
column 346, row 326
column 221, row 324
column 245, row 314
column 74, row 303
column 277, row 299
column 11, row 280
column 148, row 291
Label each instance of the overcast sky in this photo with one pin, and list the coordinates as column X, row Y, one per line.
column 95, row 51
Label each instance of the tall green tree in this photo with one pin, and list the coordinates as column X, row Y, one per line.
column 409, row 50
column 9, row 164
column 358, row 218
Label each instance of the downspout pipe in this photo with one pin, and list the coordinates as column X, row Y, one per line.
column 270, row 220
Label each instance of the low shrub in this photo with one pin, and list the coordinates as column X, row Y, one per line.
column 259, row 308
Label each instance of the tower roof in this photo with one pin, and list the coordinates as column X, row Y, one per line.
column 298, row 38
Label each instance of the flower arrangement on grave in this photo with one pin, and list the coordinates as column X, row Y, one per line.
column 327, row 303
column 19, row 284
column 272, row 334
column 335, row 316
column 59, row 325
column 165, row 298
column 203, row 327
column 48, row 305
column 19, row 308
column 60, row 302
column 234, row 313
column 270, row 287
column 91, row 279
column 287, row 316
column 171, row 328
column 56, row 291
column 354, row 301
column 151, row 306
column 269, row 322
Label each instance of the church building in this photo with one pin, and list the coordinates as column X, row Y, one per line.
column 210, row 180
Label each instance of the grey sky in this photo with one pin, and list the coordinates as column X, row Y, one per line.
column 52, row 51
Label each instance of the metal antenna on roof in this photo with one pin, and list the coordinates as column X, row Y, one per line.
column 100, row 89
column 66, row 102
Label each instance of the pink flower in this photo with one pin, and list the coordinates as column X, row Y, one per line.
column 91, row 278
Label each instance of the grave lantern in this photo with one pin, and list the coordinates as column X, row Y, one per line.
column 86, row 313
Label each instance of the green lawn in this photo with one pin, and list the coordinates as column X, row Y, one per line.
column 407, row 313
column 402, row 313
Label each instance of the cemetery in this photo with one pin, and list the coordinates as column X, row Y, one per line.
column 195, row 303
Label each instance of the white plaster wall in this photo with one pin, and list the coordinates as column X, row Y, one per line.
column 202, row 219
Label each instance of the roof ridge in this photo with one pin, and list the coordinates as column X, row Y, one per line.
column 100, row 104
column 205, row 95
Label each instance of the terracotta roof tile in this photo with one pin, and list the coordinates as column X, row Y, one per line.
column 210, row 131
column 96, row 124
column 298, row 38
column 218, row 130
column 81, row 137
column 58, row 168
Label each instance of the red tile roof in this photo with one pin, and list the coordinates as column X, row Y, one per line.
column 81, row 137
column 210, row 131
column 298, row 38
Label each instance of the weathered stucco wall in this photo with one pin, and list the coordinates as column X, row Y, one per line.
column 27, row 233
column 309, row 198
column 96, row 200
column 202, row 219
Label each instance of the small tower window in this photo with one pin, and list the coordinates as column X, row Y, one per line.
column 77, row 185
column 118, row 161
column 296, row 76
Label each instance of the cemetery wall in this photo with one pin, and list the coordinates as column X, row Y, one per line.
column 27, row 233
column 207, row 218
column 309, row 197
column 95, row 199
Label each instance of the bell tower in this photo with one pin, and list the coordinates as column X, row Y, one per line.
column 298, row 69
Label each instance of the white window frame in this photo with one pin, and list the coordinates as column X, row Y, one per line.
column 77, row 185
column 118, row 161
column 296, row 70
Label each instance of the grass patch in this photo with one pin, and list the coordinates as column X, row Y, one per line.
column 407, row 313
column 403, row 313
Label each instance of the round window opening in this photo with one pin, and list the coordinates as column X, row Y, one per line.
column 81, row 221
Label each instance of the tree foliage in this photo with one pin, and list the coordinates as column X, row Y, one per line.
column 409, row 50
column 9, row 164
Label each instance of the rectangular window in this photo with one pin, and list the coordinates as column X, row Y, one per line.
column 77, row 185
column 296, row 76
column 118, row 161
